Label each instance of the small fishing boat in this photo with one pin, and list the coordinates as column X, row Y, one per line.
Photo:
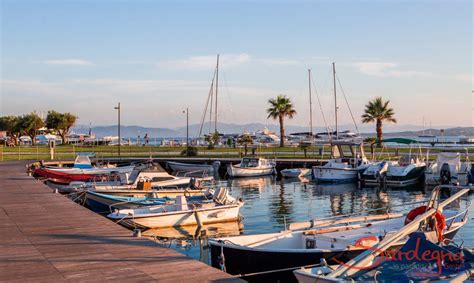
column 347, row 162
column 82, row 171
column 194, row 168
column 83, row 165
column 428, row 221
column 295, row 172
column 222, row 208
column 103, row 203
column 334, row 239
column 251, row 167
column 449, row 169
column 142, row 178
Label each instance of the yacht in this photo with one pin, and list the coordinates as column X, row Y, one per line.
column 347, row 162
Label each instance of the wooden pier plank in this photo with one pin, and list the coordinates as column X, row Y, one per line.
column 45, row 237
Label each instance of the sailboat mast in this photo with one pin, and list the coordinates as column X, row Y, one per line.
column 217, row 87
column 310, row 106
column 335, row 97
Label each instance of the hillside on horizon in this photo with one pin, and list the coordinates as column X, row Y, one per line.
column 229, row 128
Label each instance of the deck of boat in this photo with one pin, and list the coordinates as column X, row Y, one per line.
column 46, row 237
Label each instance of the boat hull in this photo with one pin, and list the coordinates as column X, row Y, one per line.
column 335, row 175
column 225, row 213
column 413, row 177
column 433, row 179
column 235, row 171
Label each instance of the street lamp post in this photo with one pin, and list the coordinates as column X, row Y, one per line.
column 187, row 130
column 119, row 136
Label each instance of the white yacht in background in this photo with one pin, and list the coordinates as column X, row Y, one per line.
column 449, row 169
column 251, row 167
column 347, row 162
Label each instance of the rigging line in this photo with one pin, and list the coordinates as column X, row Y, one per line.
column 204, row 113
column 203, row 117
column 320, row 105
column 228, row 94
column 347, row 103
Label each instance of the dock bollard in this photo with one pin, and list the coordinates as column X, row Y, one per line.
column 137, row 232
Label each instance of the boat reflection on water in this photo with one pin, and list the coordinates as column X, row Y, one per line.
column 192, row 240
column 251, row 184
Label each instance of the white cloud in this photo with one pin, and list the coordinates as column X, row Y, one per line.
column 279, row 61
column 388, row 70
column 464, row 77
column 206, row 62
column 69, row 62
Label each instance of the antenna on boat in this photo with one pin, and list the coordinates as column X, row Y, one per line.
column 335, row 96
column 310, row 106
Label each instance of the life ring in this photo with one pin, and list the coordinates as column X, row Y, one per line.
column 439, row 217
column 366, row 241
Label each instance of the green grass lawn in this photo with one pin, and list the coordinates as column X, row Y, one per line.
column 70, row 151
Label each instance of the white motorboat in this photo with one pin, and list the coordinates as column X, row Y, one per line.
column 407, row 170
column 194, row 168
column 251, row 167
column 222, row 208
column 347, row 162
column 295, row 172
column 449, row 169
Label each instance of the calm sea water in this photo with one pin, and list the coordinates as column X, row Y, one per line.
column 270, row 203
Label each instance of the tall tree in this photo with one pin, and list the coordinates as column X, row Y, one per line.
column 212, row 139
column 281, row 107
column 30, row 124
column 11, row 125
column 61, row 123
column 378, row 111
column 245, row 140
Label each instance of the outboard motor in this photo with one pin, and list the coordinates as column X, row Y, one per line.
column 445, row 174
column 445, row 179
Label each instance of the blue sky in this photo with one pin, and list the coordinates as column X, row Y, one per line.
column 157, row 58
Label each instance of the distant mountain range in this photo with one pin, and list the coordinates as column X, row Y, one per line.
column 228, row 128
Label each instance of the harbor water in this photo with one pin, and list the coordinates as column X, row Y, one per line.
column 270, row 204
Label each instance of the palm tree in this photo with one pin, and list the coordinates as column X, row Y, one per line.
column 279, row 108
column 378, row 110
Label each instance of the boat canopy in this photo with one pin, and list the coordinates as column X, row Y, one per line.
column 347, row 149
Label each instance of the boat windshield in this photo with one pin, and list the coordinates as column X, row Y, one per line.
column 405, row 160
column 249, row 162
